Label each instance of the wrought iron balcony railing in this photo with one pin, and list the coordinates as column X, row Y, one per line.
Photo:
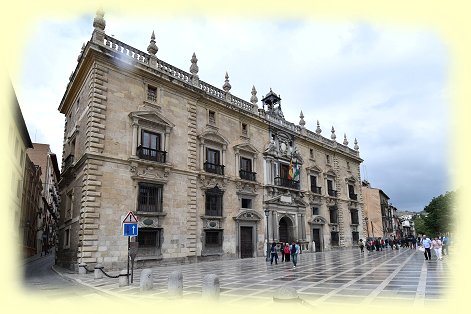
column 353, row 196
column 247, row 175
column 68, row 161
column 332, row 193
column 285, row 182
column 151, row 154
column 316, row 189
column 214, row 168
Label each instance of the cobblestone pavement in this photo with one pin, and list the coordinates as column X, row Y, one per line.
column 345, row 277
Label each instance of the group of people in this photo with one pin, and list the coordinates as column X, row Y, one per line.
column 288, row 252
column 438, row 244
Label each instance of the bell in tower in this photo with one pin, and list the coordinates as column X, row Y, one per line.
column 273, row 103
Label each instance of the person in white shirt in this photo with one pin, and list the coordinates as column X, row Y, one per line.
column 437, row 247
column 426, row 243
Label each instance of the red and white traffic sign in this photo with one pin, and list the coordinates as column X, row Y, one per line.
column 130, row 218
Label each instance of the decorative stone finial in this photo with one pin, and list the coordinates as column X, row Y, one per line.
column 254, row 98
column 302, row 122
column 318, row 130
column 345, row 142
column 226, row 87
column 99, row 22
column 81, row 52
column 333, row 136
column 194, row 67
column 152, row 48
column 356, row 147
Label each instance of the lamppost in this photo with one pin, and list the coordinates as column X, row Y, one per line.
column 267, row 213
column 367, row 229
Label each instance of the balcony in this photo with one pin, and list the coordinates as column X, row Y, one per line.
column 247, row 175
column 214, row 168
column 68, row 161
column 353, row 196
column 151, row 154
column 316, row 189
column 332, row 193
column 287, row 183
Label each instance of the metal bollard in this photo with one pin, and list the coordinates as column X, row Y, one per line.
column 211, row 287
column 98, row 273
column 175, row 284
column 123, row 278
column 147, row 280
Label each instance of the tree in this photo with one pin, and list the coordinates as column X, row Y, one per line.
column 439, row 214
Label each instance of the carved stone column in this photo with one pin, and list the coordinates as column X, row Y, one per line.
column 134, row 138
column 237, row 163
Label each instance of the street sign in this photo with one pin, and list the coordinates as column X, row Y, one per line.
column 130, row 229
column 130, row 218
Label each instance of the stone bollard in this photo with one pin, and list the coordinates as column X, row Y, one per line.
column 211, row 287
column 98, row 273
column 123, row 279
column 286, row 294
column 147, row 280
column 82, row 269
column 175, row 284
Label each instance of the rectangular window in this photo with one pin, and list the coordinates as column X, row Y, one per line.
column 212, row 156
column 149, row 238
column 66, row 238
column 245, row 164
column 150, row 197
column 315, row 211
column 311, row 153
column 354, row 216
column 212, row 117
column 351, row 192
column 246, row 203
column 355, row 237
column 314, row 187
column 284, row 171
column 151, row 93
column 333, row 213
column 213, row 205
column 334, row 238
column 213, row 238
column 151, row 147
column 244, row 129
column 327, row 159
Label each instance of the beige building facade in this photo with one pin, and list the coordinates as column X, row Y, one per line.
column 207, row 174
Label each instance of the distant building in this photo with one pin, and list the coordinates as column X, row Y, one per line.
column 48, row 215
column 377, row 211
column 208, row 175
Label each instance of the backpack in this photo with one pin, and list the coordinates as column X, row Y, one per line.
column 273, row 249
column 286, row 250
column 293, row 248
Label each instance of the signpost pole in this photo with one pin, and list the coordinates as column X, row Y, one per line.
column 129, row 240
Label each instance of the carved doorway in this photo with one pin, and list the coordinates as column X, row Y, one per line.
column 316, row 237
column 285, row 230
column 246, row 242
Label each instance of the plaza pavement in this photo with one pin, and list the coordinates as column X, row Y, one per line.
column 342, row 277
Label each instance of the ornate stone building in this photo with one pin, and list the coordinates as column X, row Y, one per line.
column 207, row 174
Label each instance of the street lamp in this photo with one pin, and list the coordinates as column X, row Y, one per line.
column 267, row 213
column 367, row 229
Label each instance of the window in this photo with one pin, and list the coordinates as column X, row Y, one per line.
column 66, row 244
column 334, row 238
column 351, row 192
column 333, row 213
column 213, row 204
column 283, row 180
column 315, row 211
column 213, row 238
column 311, row 153
column 151, row 93
column 151, row 147
column 314, row 187
column 246, row 203
column 355, row 237
column 213, row 162
column 330, row 188
column 244, row 129
column 348, row 165
column 246, row 169
column 69, row 205
column 327, row 159
column 150, row 197
column 149, row 238
column 212, row 117
column 354, row 216
column 77, row 104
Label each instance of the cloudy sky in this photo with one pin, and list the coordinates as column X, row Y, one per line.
column 384, row 84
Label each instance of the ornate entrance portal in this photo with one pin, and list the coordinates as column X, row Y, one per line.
column 285, row 230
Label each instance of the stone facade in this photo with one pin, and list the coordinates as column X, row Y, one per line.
column 200, row 168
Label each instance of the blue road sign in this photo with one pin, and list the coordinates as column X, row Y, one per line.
column 130, row 230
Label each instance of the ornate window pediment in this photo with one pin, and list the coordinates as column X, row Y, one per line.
column 246, row 147
column 248, row 215
column 314, row 169
column 350, row 179
column 331, row 173
column 318, row 220
column 213, row 136
column 151, row 117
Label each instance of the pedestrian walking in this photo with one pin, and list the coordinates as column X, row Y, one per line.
column 426, row 243
column 444, row 245
column 361, row 245
column 437, row 247
column 286, row 252
column 294, row 250
column 274, row 254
